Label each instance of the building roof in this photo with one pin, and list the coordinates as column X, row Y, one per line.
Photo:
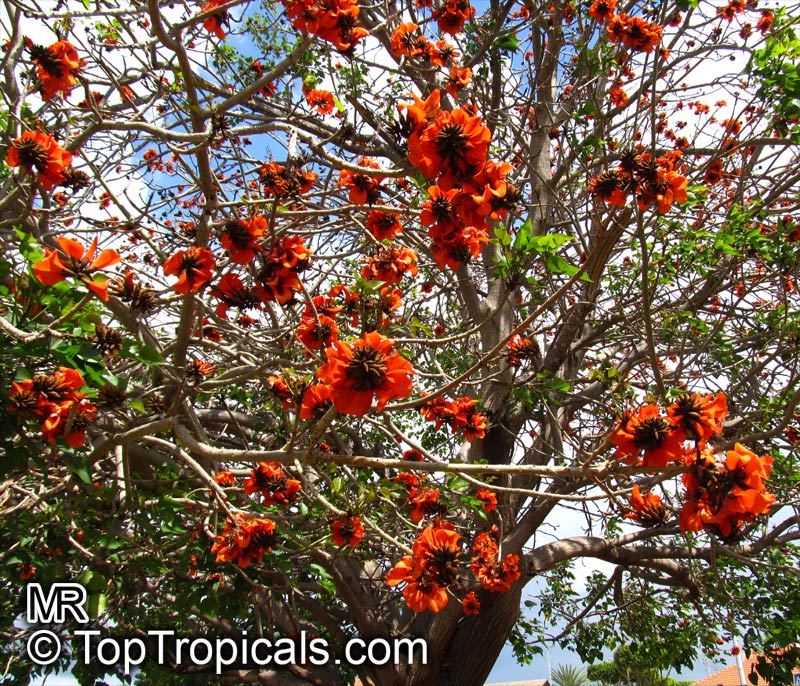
column 729, row 676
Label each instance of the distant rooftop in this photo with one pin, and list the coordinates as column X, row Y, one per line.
column 729, row 676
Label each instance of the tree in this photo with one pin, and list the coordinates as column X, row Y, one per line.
column 569, row 675
column 334, row 320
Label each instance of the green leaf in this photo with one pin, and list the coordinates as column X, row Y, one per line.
column 96, row 604
column 80, row 467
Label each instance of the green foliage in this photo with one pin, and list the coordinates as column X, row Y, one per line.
column 569, row 675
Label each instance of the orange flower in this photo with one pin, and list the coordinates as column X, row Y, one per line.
column 422, row 112
column 425, row 503
column 460, row 414
column 634, row 32
column 240, row 237
column 452, row 15
column 430, row 570
column 720, row 497
column 365, row 189
column 602, row 10
column 608, row 187
column 458, row 79
column 646, row 431
column 316, row 401
column 56, row 67
column 492, row 574
column 648, row 509
column 674, row 191
column 347, row 530
column 441, row 53
column 193, row 267
column 440, row 207
column 405, row 41
column 269, row 479
column 321, row 100
column 697, row 417
column 69, row 419
column 489, row 499
column 233, row 293
column 730, row 10
column 471, row 605
column 335, row 21
column 243, row 540
column 315, row 332
column 383, row 225
column 390, row 265
column 225, row 478
column 39, row 153
column 214, row 22
column 521, row 349
column 618, row 97
column 455, row 146
column 453, row 246
column 76, row 262
column 368, row 367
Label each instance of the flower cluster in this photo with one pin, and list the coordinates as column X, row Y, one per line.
column 430, row 570
column 461, row 414
column 56, row 399
column 493, row 574
column 282, row 264
column 73, row 260
column 521, row 350
column 451, row 147
column 243, row 540
column 452, row 15
column 720, row 496
column 279, row 181
column 649, row 439
column 390, row 264
column 233, row 293
column 635, row 33
column 270, row 480
column 335, row 21
column 407, row 42
column 651, row 182
column 363, row 188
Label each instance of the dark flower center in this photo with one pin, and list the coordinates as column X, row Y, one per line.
column 451, row 143
column 690, row 414
column 442, row 563
column 367, row 369
column 267, row 482
column 24, row 401
column 238, row 234
column 50, row 387
column 32, row 154
column 651, row 433
column 606, row 183
column 442, row 209
column 190, row 264
column 263, row 538
column 48, row 61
